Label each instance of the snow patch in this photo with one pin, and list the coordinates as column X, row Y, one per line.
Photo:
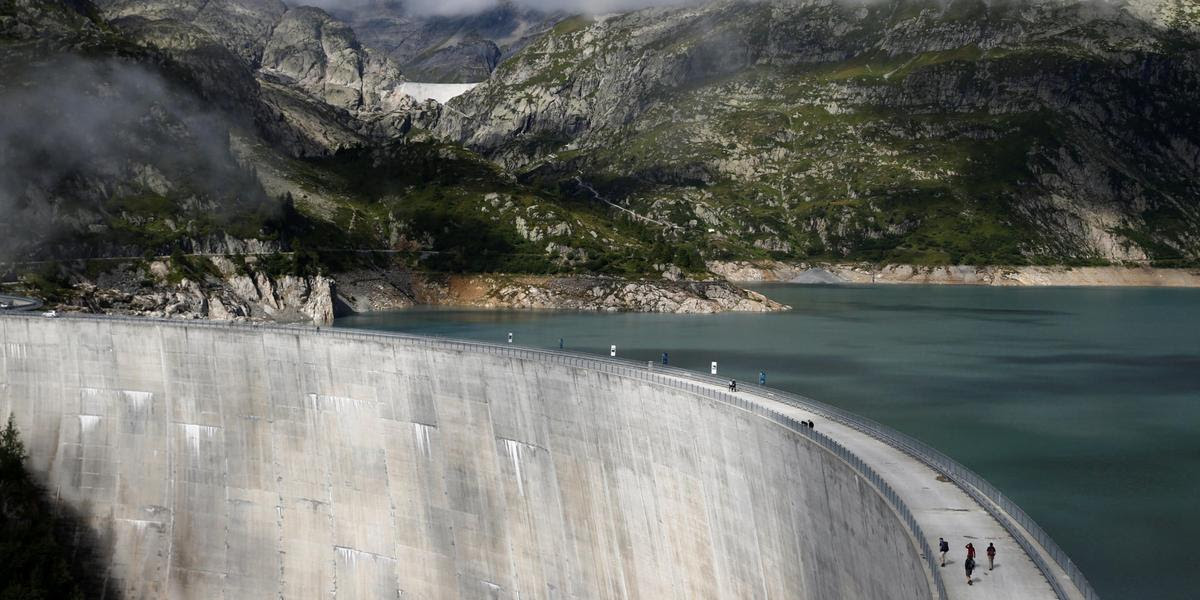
column 440, row 92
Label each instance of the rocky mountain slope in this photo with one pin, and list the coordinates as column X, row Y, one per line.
column 447, row 48
column 640, row 146
column 1007, row 132
column 147, row 143
column 323, row 90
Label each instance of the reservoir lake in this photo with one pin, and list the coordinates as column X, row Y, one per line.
column 1080, row 404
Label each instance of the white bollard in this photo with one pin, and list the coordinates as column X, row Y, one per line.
column 713, row 370
column 612, row 350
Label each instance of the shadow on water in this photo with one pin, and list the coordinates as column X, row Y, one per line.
column 957, row 310
column 1080, row 373
column 1164, row 361
column 1023, row 316
column 47, row 549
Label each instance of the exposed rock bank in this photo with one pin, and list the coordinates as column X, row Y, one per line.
column 241, row 290
column 746, row 272
column 381, row 291
column 227, row 293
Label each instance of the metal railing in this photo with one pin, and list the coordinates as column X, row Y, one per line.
column 1005, row 511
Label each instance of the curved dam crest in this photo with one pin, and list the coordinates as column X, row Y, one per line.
column 254, row 462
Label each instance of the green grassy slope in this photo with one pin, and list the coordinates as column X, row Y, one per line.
column 1009, row 133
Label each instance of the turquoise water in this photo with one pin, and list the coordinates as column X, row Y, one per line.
column 1082, row 405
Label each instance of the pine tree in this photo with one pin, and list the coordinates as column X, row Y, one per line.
column 12, row 451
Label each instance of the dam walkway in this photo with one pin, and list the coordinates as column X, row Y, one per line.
column 943, row 508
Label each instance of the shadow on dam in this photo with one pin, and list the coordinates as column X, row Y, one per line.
column 47, row 548
column 244, row 462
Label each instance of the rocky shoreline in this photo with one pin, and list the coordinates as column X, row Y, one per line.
column 224, row 290
column 810, row 273
column 369, row 291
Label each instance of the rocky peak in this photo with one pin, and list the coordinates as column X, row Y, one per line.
column 321, row 55
column 309, row 85
column 242, row 26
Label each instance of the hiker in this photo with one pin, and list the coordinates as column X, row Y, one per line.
column 991, row 552
column 733, row 385
column 970, row 565
column 943, row 547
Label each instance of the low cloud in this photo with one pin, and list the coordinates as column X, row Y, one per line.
column 79, row 132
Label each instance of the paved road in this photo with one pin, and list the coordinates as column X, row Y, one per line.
column 942, row 509
column 19, row 303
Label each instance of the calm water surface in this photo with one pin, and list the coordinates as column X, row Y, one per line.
column 1082, row 405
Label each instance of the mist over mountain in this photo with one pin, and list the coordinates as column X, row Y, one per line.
column 94, row 130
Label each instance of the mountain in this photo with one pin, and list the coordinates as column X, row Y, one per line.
column 662, row 144
column 310, row 69
column 447, row 48
column 162, row 168
column 1008, row 132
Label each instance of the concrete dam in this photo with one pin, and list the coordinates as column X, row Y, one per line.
column 223, row 461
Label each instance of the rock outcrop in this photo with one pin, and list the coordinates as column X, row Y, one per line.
column 227, row 292
column 321, row 55
column 612, row 295
column 242, row 26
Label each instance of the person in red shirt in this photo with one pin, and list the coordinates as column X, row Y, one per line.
column 970, row 551
column 991, row 552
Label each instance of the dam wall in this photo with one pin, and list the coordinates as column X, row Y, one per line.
column 217, row 461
